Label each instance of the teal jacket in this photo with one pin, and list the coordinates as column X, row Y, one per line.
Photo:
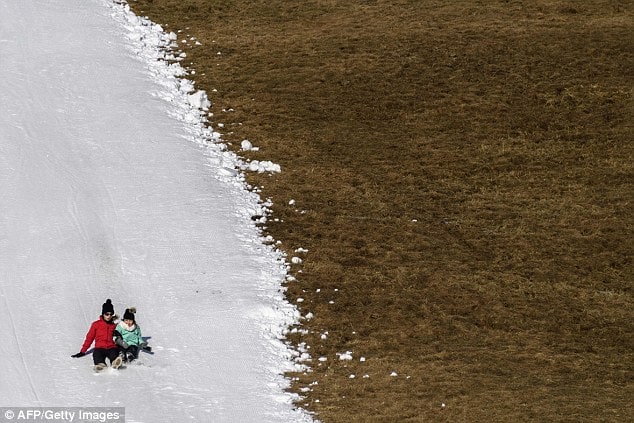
column 131, row 335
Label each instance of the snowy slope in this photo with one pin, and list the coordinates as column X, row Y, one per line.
column 110, row 188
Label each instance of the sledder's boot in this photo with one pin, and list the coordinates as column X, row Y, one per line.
column 117, row 362
column 99, row 367
column 130, row 357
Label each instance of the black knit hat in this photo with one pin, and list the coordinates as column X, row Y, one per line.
column 107, row 307
column 129, row 314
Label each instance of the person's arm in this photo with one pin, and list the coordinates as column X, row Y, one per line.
column 90, row 336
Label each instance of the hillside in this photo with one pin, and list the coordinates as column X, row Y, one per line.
column 462, row 178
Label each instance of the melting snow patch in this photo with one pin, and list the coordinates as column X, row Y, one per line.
column 246, row 145
column 199, row 100
column 345, row 356
column 262, row 166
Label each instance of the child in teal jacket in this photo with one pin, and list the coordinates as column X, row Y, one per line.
column 130, row 341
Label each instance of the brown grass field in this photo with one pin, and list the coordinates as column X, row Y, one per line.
column 463, row 178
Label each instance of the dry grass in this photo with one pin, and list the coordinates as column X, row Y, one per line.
column 463, row 178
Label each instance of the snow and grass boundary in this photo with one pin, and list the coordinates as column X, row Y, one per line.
column 157, row 49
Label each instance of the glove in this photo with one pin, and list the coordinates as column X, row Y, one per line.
column 79, row 354
column 147, row 348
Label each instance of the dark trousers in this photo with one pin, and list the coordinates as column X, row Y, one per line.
column 99, row 355
column 131, row 353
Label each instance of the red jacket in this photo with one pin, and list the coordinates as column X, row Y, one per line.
column 101, row 332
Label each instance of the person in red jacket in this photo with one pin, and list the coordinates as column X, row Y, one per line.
column 102, row 333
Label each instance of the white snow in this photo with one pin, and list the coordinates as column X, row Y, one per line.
column 345, row 356
column 199, row 100
column 262, row 166
column 246, row 145
column 111, row 186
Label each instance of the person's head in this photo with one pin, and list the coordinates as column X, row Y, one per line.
column 107, row 310
column 128, row 316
